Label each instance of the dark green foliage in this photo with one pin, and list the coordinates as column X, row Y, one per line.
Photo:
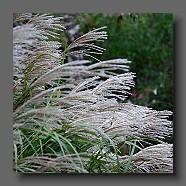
column 146, row 40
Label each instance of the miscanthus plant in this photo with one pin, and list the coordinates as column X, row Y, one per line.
column 73, row 117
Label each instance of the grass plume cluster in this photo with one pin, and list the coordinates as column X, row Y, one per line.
column 72, row 117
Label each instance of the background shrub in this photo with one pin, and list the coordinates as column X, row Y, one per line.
column 146, row 40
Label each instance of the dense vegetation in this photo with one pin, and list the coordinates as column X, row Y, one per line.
column 146, row 40
column 73, row 115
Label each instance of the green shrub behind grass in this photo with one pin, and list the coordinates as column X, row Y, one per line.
column 146, row 40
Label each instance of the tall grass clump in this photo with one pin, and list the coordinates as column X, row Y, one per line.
column 72, row 117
